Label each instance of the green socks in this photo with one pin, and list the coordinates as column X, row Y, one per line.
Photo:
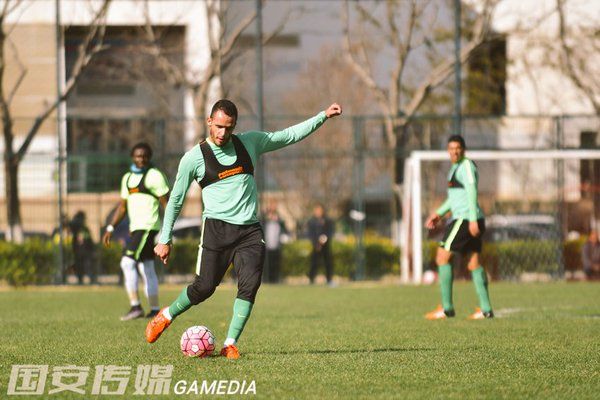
column 481, row 286
column 181, row 305
column 241, row 313
column 445, row 278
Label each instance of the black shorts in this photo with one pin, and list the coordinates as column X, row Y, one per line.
column 140, row 245
column 221, row 242
column 458, row 238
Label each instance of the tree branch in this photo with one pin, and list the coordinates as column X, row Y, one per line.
column 568, row 56
column 440, row 73
column 22, row 74
column 362, row 72
column 85, row 55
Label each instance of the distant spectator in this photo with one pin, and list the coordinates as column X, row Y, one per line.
column 83, row 248
column 67, row 240
column 66, row 232
column 275, row 234
column 591, row 256
column 320, row 233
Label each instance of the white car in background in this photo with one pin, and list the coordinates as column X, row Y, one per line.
column 501, row 228
column 187, row 228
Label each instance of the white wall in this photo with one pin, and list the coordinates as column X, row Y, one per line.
column 535, row 85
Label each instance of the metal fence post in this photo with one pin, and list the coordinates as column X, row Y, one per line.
column 358, row 214
column 60, row 277
column 560, row 185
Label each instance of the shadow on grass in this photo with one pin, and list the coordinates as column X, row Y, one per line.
column 592, row 316
column 347, row 351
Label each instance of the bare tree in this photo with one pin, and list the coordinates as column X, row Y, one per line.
column 579, row 58
column 91, row 45
column 409, row 30
column 224, row 50
column 322, row 164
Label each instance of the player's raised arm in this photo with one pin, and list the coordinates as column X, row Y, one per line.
column 270, row 141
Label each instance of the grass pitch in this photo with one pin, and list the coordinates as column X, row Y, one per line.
column 355, row 341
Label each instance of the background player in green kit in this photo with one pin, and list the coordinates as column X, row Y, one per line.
column 143, row 188
column 223, row 166
column 463, row 234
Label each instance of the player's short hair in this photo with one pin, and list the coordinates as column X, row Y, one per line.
column 227, row 107
column 142, row 145
column 458, row 139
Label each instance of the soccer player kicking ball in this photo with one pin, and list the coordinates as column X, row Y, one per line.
column 223, row 166
column 463, row 234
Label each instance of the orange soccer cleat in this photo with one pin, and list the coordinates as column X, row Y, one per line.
column 156, row 326
column 478, row 314
column 439, row 313
column 231, row 352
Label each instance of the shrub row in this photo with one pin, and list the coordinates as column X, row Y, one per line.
column 512, row 258
column 34, row 261
column 28, row 263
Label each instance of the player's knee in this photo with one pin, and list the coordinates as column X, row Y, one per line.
column 200, row 290
column 248, row 289
column 473, row 265
column 127, row 264
column 442, row 258
column 248, row 295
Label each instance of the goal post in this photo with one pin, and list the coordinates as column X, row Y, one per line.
column 528, row 184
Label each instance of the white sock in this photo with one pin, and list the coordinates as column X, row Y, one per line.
column 228, row 342
column 167, row 314
column 150, row 279
column 131, row 280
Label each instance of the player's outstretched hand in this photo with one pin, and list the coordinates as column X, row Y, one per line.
column 106, row 238
column 163, row 251
column 432, row 221
column 333, row 110
column 474, row 229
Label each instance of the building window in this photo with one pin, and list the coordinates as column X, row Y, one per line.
column 485, row 82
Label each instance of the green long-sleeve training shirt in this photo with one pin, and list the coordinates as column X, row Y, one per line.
column 235, row 199
column 462, row 192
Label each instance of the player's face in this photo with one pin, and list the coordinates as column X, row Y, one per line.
column 141, row 157
column 220, row 127
column 318, row 212
column 456, row 151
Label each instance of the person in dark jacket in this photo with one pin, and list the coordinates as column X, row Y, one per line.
column 83, row 248
column 591, row 256
column 320, row 233
column 275, row 235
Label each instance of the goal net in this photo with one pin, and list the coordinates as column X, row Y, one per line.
column 538, row 204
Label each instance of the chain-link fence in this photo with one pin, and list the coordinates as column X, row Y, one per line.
column 354, row 166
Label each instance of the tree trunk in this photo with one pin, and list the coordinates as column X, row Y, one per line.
column 14, row 232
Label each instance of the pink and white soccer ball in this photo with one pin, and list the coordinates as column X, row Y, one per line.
column 197, row 341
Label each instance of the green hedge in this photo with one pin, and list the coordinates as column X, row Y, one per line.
column 34, row 261
column 182, row 261
column 512, row 258
column 381, row 258
column 28, row 263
